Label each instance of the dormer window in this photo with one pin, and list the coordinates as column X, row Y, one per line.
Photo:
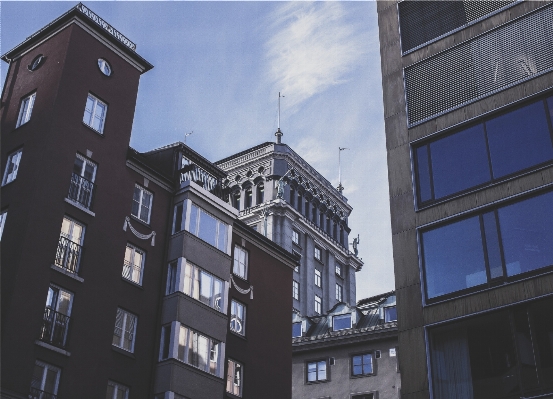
column 341, row 322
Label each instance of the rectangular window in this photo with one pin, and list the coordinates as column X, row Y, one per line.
column 198, row 284
column 295, row 237
column 199, row 351
column 339, row 293
column 317, row 253
column 390, row 314
column 12, row 166
column 25, row 110
column 125, row 330
column 45, row 381
column 95, row 113
column 117, row 391
column 238, row 317
column 234, row 378
column 133, row 266
column 316, row 371
column 490, row 248
column 3, row 216
column 318, row 278
column 295, row 290
column 318, row 304
column 296, row 330
column 81, row 188
column 240, row 266
column 362, row 364
column 70, row 245
column 341, row 322
column 141, row 204
column 55, row 321
column 208, row 228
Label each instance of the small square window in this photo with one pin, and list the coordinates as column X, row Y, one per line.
column 133, row 266
column 341, row 322
column 234, row 378
column 296, row 290
column 317, row 253
column 141, row 204
column 362, row 364
column 318, row 304
column 125, row 330
column 237, row 317
column 318, row 278
column 316, row 371
column 240, row 266
column 390, row 314
column 117, row 391
column 25, row 110
column 296, row 330
column 95, row 113
column 295, row 237
column 12, row 166
column 339, row 293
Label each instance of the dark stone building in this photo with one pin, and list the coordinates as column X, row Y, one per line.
column 468, row 107
column 124, row 274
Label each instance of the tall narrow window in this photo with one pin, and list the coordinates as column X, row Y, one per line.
column 318, row 304
column 45, row 381
column 26, row 109
column 125, row 330
column 117, row 391
column 3, row 216
column 12, row 166
column 240, row 266
column 133, row 265
column 295, row 290
column 95, row 113
column 68, row 254
column 238, row 317
column 81, row 189
column 56, row 316
column 234, row 378
column 318, row 278
column 141, row 204
column 260, row 193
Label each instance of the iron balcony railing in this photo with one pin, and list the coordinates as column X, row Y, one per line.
column 81, row 191
column 54, row 327
column 68, row 255
column 36, row 393
column 132, row 271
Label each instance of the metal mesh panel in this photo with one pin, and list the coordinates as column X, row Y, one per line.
column 474, row 69
column 424, row 21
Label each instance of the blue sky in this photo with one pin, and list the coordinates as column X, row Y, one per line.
column 218, row 69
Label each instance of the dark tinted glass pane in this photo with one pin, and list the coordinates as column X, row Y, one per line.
column 459, row 161
column 492, row 245
column 453, row 257
column 527, row 234
column 423, row 174
column 519, row 139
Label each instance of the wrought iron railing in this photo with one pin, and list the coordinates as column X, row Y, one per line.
column 68, row 255
column 54, row 327
column 36, row 393
column 81, row 191
column 132, row 272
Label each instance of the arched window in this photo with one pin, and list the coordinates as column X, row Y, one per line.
column 248, row 199
column 260, row 193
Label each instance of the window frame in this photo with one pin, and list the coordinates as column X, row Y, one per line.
column 317, row 363
column 234, row 304
column 13, row 161
column 102, row 118
column 231, row 379
column 116, row 386
column 134, row 250
column 240, row 250
column 363, row 373
column 125, row 316
column 295, row 290
column 25, row 109
column 142, row 191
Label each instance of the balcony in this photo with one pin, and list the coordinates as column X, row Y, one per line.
column 36, row 393
column 54, row 328
column 81, row 191
column 68, row 255
column 132, row 272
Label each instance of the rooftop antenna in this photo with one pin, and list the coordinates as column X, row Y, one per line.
column 278, row 133
column 186, row 135
column 340, row 187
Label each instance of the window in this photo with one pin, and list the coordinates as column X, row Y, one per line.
column 25, row 110
column 105, row 68
column 199, row 351
column 296, row 330
column 390, row 314
column 317, row 253
column 316, row 371
column 45, row 381
column 362, row 364
column 12, row 166
column 341, row 322
column 338, row 269
column 208, row 228
column 56, row 316
column 295, row 237
column 339, row 293
column 178, row 217
column 518, row 241
column 260, row 193
column 295, row 290
column 234, row 378
column 318, row 278
column 81, row 189
column 3, row 216
column 240, row 266
column 117, row 391
column 133, row 265
column 318, row 304
column 141, row 204
column 125, row 330
column 69, row 251
column 95, row 113
column 238, row 317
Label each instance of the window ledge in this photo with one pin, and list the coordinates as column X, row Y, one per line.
column 79, row 206
column 69, row 274
column 52, row 348
column 122, row 351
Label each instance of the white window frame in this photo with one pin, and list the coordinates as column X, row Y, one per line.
column 339, row 293
column 12, row 166
column 137, row 271
column 126, row 317
column 318, row 278
column 295, row 237
column 26, row 109
column 233, row 387
column 47, row 366
column 240, row 264
column 142, row 191
column 295, row 290
column 3, row 216
column 318, row 304
column 317, row 253
column 89, row 120
column 116, row 386
column 237, row 323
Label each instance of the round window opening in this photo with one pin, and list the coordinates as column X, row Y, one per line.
column 105, row 68
column 36, row 63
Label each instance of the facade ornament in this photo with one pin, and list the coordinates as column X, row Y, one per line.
column 138, row 234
